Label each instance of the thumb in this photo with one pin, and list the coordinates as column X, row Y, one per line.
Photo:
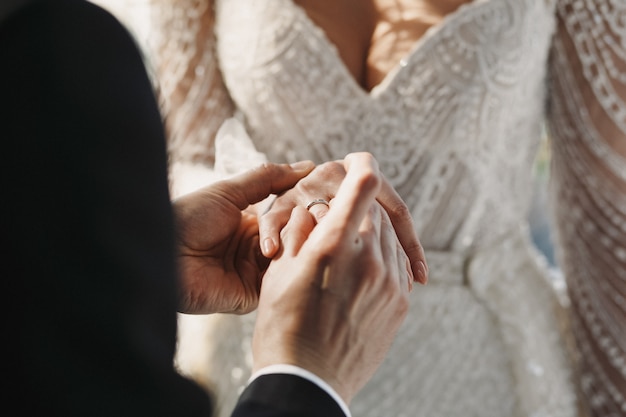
column 258, row 183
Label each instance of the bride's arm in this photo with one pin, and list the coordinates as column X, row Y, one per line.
column 193, row 96
column 588, row 128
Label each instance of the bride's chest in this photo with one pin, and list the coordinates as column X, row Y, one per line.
column 372, row 36
column 281, row 38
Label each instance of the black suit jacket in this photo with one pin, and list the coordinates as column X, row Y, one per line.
column 88, row 264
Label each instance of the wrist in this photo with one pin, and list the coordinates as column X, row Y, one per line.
column 306, row 374
column 306, row 359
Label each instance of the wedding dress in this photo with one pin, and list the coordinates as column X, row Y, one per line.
column 455, row 127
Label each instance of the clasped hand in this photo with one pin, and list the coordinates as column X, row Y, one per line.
column 220, row 260
column 336, row 290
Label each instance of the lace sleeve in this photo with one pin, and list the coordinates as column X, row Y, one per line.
column 193, row 96
column 587, row 118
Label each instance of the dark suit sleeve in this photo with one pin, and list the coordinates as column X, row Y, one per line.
column 88, row 265
column 282, row 395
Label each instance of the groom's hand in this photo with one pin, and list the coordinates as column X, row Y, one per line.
column 220, row 261
column 334, row 296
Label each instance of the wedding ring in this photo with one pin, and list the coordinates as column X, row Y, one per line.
column 317, row 201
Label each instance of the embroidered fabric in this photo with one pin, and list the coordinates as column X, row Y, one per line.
column 588, row 122
column 455, row 126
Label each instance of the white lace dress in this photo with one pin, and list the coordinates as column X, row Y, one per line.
column 455, row 126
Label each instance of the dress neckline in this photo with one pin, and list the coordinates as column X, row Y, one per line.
column 420, row 44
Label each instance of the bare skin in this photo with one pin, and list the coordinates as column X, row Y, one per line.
column 372, row 36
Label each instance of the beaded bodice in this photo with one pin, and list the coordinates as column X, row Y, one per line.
column 455, row 126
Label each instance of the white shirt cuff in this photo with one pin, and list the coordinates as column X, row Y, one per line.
column 303, row 373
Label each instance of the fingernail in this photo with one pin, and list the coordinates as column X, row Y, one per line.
column 302, row 165
column 268, row 247
column 409, row 270
column 422, row 273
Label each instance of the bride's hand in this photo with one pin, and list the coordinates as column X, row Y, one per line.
column 322, row 184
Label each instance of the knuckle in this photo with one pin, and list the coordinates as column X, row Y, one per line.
column 397, row 295
column 402, row 305
column 323, row 178
column 268, row 171
column 329, row 171
column 266, row 168
column 367, row 180
column 401, row 212
column 307, row 186
column 362, row 154
column 379, row 271
column 374, row 268
column 269, row 218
